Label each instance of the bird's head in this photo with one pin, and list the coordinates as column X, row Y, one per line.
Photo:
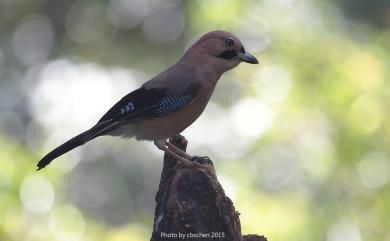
column 222, row 50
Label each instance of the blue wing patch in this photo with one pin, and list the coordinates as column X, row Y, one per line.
column 129, row 107
column 170, row 104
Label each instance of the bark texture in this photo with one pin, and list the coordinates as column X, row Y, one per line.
column 192, row 205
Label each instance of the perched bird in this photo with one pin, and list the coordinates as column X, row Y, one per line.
column 167, row 104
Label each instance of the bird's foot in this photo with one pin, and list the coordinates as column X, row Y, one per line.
column 178, row 151
column 182, row 157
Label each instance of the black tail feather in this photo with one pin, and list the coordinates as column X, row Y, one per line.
column 67, row 146
column 99, row 129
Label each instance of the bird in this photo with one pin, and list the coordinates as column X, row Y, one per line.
column 169, row 102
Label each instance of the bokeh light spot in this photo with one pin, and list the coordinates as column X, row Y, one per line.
column 127, row 14
column 251, row 117
column 66, row 223
column 374, row 170
column 165, row 24
column 37, row 194
column 344, row 231
column 33, row 40
column 364, row 70
column 273, row 83
column 366, row 114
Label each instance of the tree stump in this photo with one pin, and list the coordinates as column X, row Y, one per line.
column 191, row 204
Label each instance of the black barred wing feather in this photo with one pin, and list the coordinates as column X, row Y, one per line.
column 168, row 105
column 145, row 104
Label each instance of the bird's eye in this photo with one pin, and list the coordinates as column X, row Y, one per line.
column 229, row 42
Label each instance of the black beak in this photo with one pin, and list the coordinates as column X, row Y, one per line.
column 247, row 57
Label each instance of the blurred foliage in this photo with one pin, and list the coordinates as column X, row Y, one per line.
column 300, row 142
column 374, row 12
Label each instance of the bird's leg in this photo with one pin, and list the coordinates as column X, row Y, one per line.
column 161, row 144
column 178, row 151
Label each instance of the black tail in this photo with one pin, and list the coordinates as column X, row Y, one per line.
column 67, row 146
column 99, row 129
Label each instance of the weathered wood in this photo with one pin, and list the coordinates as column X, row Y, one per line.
column 192, row 205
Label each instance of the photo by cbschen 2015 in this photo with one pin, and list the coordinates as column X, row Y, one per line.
column 191, row 235
column 213, row 146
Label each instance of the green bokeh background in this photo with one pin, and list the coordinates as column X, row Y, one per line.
column 300, row 142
